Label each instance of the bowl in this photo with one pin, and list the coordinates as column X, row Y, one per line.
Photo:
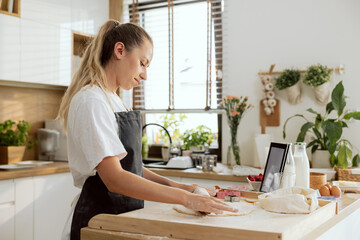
column 254, row 184
column 317, row 180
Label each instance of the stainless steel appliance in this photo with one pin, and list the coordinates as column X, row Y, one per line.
column 61, row 153
column 48, row 143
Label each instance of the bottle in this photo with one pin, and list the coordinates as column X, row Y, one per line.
column 302, row 165
column 289, row 173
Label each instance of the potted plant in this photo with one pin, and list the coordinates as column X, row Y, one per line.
column 318, row 77
column 197, row 139
column 13, row 141
column 289, row 80
column 327, row 131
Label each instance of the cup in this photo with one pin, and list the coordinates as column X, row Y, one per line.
column 284, row 180
column 208, row 162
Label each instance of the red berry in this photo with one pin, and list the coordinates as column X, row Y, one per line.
column 249, row 176
column 251, row 179
column 260, row 174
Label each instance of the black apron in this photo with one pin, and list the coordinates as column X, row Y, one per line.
column 95, row 198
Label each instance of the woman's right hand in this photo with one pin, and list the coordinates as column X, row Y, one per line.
column 207, row 204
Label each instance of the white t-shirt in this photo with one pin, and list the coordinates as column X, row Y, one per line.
column 92, row 131
column 92, row 136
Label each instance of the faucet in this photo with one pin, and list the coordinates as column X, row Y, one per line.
column 167, row 132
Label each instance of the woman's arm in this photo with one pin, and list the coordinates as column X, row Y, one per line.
column 121, row 181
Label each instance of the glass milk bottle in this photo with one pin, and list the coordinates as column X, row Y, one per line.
column 301, row 165
column 289, row 173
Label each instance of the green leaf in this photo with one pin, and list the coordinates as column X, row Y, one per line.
column 343, row 124
column 314, row 148
column 355, row 115
column 333, row 131
column 333, row 160
column 338, row 98
column 284, row 128
column 356, row 161
column 329, row 107
column 311, row 111
column 344, row 155
column 317, row 133
column 303, row 131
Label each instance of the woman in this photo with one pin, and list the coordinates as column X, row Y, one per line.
column 104, row 139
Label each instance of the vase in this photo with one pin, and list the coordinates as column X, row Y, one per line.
column 322, row 93
column 321, row 159
column 294, row 93
column 233, row 151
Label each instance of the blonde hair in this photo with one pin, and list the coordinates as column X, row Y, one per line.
column 97, row 54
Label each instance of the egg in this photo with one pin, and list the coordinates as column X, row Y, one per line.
column 335, row 191
column 324, row 191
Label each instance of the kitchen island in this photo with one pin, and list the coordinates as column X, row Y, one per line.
column 162, row 222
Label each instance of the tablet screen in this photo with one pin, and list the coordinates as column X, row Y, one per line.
column 275, row 163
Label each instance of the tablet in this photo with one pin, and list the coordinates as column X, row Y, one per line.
column 274, row 164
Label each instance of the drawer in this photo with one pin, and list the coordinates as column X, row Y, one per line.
column 7, row 191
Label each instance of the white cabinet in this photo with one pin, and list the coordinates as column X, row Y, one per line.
column 87, row 16
column 9, row 48
column 7, row 221
column 45, row 53
column 35, row 208
column 7, row 210
column 53, row 195
column 53, row 12
column 24, row 210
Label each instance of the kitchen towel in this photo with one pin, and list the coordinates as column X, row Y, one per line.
column 290, row 200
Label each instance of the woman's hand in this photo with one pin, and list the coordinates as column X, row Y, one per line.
column 191, row 188
column 207, row 204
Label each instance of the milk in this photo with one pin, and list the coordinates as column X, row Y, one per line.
column 302, row 166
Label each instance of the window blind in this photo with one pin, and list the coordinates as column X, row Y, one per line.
column 186, row 70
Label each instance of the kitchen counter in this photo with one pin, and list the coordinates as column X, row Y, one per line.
column 198, row 173
column 51, row 168
column 60, row 167
column 162, row 222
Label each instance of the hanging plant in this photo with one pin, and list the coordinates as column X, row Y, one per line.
column 289, row 80
column 318, row 77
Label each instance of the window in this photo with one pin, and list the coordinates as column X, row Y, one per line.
column 186, row 70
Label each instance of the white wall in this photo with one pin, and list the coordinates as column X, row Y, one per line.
column 296, row 34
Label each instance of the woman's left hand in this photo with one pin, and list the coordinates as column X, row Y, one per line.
column 191, row 188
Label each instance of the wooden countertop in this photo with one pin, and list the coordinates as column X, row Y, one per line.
column 51, row 168
column 198, row 173
column 161, row 222
column 60, row 167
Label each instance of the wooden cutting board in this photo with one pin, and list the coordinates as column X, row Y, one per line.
column 269, row 120
column 162, row 220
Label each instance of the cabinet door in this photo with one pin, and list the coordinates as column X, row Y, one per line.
column 24, row 208
column 87, row 16
column 53, row 195
column 9, row 48
column 54, row 12
column 45, row 53
column 7, row 221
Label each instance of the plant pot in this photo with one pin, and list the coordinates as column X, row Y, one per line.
column 294, row 93
column 321, row 159
column 322, row 93
column 11, row 154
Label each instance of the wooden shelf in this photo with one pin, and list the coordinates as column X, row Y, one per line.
column 80, row 42
column 15, row 10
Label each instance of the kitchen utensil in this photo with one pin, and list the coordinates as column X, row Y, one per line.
column 208, row 162
column 48, row 143
column 61, row 152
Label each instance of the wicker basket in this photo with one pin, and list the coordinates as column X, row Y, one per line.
column 347, row 174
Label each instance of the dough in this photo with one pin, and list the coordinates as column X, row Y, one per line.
column 244, row 209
